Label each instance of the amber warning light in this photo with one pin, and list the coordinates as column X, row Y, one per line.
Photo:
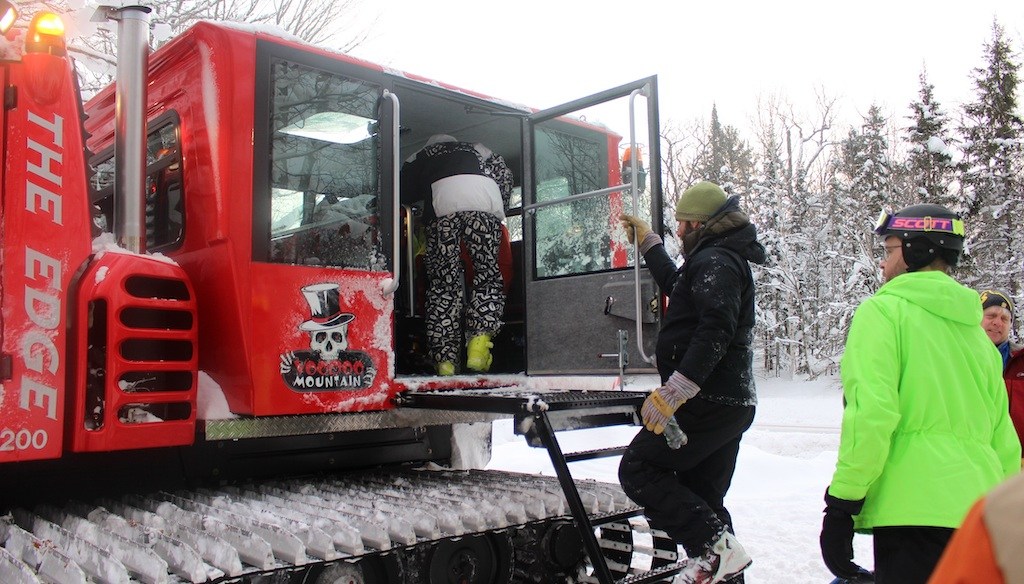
column 46, row 35
column 7, row 16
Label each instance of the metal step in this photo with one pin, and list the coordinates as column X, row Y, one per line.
column 565, row 409
column 617, row 516
column 516, row 401
column 596, row 453
column 660, row 574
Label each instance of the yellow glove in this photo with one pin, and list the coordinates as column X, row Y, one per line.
column 663, row 402
column 636, row 228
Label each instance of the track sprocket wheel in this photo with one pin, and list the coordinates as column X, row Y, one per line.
column 372, row 570
column 474, row 559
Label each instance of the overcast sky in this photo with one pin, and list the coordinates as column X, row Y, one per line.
column 544, row 52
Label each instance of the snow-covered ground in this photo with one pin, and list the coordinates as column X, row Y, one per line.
column 786, row 461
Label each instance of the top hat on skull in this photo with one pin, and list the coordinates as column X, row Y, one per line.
column 328, row 325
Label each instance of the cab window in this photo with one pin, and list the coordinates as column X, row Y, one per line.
column 324, row 176
column 165, row 211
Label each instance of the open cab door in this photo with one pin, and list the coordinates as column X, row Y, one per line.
column 591, row 309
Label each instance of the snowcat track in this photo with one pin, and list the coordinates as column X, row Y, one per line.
column 392, row 526
column 387, row 526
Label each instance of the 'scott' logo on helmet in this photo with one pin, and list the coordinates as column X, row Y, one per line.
column 922, row 224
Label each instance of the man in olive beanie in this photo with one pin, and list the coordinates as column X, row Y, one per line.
column 700, row 202
column 705, row 360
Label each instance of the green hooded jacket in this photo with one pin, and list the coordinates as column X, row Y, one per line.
column 926, row 424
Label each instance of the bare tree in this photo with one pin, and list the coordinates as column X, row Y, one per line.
column 314, row 21
column 790, row 203
column 682, row 145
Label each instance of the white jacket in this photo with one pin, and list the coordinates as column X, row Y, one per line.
column 466, row 192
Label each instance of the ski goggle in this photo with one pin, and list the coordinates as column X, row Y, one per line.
column 889, row 222
column 882, row 222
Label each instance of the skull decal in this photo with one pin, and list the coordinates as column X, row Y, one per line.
column 329, row 342
column 330, row 364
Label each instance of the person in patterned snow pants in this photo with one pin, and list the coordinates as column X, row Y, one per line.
column 467, row 187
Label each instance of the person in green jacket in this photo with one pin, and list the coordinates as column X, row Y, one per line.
column 926, row 428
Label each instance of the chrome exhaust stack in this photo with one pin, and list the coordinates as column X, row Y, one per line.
column 130, row 123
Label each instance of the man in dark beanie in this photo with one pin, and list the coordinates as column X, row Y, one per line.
column 997, row 320
column 705, row 359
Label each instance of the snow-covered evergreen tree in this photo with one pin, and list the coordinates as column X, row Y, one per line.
column 994, row 172
column 855, row 205
column 931, row 173
column 727, row 160
column 765, row 208
column 860, row 184
column 870, row 159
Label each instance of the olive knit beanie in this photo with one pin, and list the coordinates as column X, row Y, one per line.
column 700, row 202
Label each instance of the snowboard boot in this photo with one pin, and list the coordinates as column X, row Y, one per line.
column 478, row 353
column 446, row 368
column 724, row 559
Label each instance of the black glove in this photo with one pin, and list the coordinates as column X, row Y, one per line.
column 837, row 536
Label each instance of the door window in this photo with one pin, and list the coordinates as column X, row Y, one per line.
column 572, row 237
column 324, row 175
column 582, row 235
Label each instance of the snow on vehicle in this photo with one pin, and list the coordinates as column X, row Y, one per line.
column 213, row 347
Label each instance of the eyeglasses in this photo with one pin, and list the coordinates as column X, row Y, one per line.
column 889, row 249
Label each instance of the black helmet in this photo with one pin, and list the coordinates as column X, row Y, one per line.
column 927, row 231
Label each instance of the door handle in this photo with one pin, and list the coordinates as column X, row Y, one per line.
column 636, row 251
column 396, row 226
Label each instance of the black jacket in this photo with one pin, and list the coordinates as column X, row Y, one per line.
column 432, row 163
column 708, row 329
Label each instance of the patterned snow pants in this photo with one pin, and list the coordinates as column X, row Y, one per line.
column 481, row 232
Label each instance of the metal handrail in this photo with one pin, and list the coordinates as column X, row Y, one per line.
column 396, row 227
column 532, row 208
column 634, row 171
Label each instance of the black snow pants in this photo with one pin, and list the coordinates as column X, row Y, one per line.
column 481, row 232
column 908, row 555
column 683, row 491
